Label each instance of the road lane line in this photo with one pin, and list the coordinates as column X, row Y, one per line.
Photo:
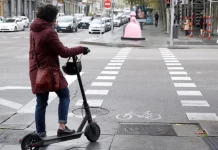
column 109, row 72
column 10, row 104
column 169, row 61
column 181, row 78
column 15, row 88
column 178, row 73
column 117, row 61
column 202, row 116
column 194, row 103
column 91, row 102
column 30, row 107
column 173, row 64
column 170, row 58
column 114, row 64
column 106, row 78
column 189, row 93
column 184, row 85
column 101, row 83
column 113, row 68
column 96, row 92
column 118, row 58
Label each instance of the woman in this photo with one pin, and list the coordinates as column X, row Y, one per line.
column 186, row 26
column 45, row 47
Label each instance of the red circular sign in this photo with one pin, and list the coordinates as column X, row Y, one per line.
column 107, row 4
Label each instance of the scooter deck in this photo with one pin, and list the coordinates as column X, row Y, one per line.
column 56, row 139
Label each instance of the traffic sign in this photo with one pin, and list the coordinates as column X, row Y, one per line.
column 107, row 4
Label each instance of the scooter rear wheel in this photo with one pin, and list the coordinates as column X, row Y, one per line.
column 92, row 132
column 28, row 140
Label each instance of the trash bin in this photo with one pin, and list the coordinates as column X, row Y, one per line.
column 175, row 31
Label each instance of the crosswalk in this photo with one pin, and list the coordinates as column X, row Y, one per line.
column 189, row 96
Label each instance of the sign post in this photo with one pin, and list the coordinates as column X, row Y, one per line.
column 172, row 22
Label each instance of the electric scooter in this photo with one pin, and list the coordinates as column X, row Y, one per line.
column 92, row 131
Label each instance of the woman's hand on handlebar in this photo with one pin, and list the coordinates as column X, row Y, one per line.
column 86, row 50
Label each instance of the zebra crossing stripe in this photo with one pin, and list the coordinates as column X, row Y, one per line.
column 101, row 83
column 91, row 102
column 195, row 103
column 202, row 116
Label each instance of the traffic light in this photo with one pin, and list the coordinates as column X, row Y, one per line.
column 168, row 4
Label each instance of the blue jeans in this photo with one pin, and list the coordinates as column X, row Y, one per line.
column 42, row 102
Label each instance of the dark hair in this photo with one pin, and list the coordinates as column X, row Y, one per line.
column 47, row 13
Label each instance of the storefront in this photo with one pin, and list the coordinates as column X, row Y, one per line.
column 1, row 8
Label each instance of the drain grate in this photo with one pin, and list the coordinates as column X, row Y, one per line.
column 212, row 142
column 11, row 136
column 146, row 129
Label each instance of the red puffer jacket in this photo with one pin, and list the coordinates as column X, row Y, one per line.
column 48, row 47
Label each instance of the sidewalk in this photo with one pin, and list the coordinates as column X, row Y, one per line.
column 155, row 37
column 128, row 136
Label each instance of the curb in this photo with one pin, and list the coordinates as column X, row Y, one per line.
column 110, row 44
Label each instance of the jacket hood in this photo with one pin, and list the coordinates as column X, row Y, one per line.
column 39, row 25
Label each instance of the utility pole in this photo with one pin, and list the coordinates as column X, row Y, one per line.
column 35, row 8
column 172, row 22
column 112, row 18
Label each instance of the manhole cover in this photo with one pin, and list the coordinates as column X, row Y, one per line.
column 212, row 142
column 12, row 136
column 146, row 129
column 95, row 111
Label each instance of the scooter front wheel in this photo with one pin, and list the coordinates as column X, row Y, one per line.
column 92, row 132
column 28, row 140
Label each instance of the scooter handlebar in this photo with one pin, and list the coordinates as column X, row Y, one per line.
column 86, row 50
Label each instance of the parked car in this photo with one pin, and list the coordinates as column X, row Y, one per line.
column 79, row 17
column 67, row 23
column 25, row 20
column 12, row 24
column 97, row 25
column 85, row 22
column 108, row 23
column 2, row 19
column 117, row 22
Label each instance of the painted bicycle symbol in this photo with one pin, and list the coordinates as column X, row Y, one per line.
column 148, row 115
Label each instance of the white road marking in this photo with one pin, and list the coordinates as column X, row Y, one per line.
column 217, row 41
column 126, row 49
column 167, row 54
column 202, row 116
column 101, row 83
column 173, row 64
column 26, row 37
column 109, row 72
column 184, row 85
column 106, row 78
column 189, row 93
column 15, row 88
column 175, row 68
column 169, row 61
column 91, row 102
column 194, row 103
column 120, row 56
column 123, row 52
column 164, row 49
column 96, row 92
column 114, row 64
column 170, row 58
column 30, row 107
column 63, row 38
column 178, row 72
column 181, row 78
column 10, row 104
column 117, row 60
column 112, row 68
column 15, row 37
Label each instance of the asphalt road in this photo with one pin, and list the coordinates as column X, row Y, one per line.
column 140, row 84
